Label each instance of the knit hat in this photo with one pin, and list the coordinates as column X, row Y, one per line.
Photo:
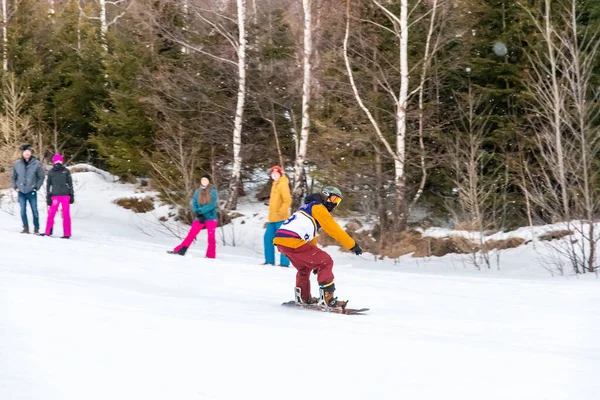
column 207, row 176
column 26, row 147
column 276, row 168
column 57, row 158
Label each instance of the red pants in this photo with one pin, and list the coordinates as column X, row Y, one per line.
column 211, row 225
column 306, row 258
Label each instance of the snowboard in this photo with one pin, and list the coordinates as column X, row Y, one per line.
column 316, row 307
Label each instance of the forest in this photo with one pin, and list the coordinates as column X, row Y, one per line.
column 482, row 115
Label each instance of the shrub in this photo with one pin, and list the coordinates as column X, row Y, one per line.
column 136, row 204
column 558, row 234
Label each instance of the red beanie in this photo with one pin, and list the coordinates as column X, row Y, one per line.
column 276, row 168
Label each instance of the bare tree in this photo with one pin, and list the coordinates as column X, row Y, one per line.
column 468, row 161
column 550, row 108
column 584, row 113
column 432, row 45
column 566, row 131
column 15, row 125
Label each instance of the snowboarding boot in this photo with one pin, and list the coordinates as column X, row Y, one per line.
column 181, row 251
column 25, row 229
column 326, row 298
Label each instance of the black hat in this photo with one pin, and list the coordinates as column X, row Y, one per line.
column 26, row 147
column 207, row 176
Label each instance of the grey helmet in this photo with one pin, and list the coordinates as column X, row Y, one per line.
column 327, row 192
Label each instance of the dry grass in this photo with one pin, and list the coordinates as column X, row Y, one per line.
column 558, row 234
column 504, row 244
column 76, row 170
column 4, row 180
column 136, row 204
column 394, row 246
column 469, row 226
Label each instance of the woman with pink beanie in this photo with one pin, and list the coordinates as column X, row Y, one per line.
column 59, row 192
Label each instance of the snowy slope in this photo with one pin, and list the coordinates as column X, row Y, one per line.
column 110, row 315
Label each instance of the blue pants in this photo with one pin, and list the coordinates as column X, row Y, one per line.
column 270, row 247
column 30, row 198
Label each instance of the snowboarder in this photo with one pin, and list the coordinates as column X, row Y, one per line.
column 204, row 206
column 279, row 210
column 27, row 178
column 297, row 239
column 59, row 192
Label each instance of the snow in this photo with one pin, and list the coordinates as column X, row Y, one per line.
column 109, row 315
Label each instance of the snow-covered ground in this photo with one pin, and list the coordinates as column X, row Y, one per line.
column 109, row 315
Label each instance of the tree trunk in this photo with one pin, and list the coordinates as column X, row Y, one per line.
column 424, row 70
column 236, row 173
column 103, row 26
column 4, row 36
column 185, row 9
column 400, row 160
column 306, row 86
column 276, row 134
column 557, row 108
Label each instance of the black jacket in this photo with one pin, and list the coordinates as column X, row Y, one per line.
column 59, row 181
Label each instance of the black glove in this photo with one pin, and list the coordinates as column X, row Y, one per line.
column 49, row 200
column 200, row 218
column 316, row 271
column 356, row 249
column 72, row 199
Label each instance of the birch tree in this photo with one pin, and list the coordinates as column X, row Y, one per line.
column 302, row 148
column 399, row 96
column 236, row 171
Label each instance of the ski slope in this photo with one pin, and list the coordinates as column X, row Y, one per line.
column 109, row 315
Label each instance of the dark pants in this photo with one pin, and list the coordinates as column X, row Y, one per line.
column 306, row 258
column 30, row 198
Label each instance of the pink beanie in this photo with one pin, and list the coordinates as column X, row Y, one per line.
column 57, row 158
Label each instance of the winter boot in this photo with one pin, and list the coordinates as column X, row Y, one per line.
column 327, row 300
column 65, row 237
column 181, row 251
column 25, row 229
column 36, row 231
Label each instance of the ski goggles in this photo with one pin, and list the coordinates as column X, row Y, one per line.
column 335, row 199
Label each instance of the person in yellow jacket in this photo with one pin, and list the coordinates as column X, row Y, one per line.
column 279, row 210
column 297, row 239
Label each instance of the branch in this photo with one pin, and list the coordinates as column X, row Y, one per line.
column 221, row 31
column 114, row 21
column 387, row 145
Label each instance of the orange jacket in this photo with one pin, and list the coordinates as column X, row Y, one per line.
column 323, row 218
column 280, row 201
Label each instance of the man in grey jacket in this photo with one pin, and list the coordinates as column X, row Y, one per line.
column 27, row 178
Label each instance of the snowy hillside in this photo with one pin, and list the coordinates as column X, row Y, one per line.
column 109, row 315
